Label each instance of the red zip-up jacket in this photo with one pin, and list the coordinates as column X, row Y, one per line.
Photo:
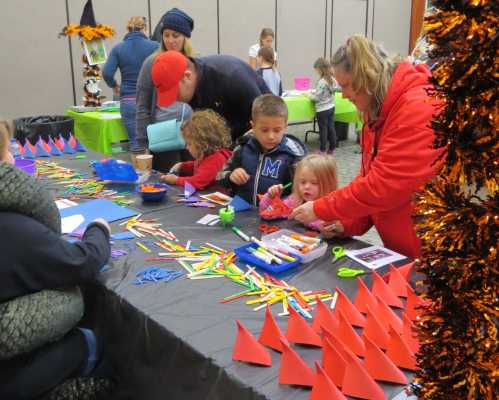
column 382, row 192
column 202, row 173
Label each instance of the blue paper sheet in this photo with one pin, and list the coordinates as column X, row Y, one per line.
column 100, row 208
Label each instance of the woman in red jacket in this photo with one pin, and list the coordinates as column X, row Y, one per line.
column 397, row 153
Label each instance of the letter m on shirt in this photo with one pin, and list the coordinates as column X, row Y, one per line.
column 271, row 168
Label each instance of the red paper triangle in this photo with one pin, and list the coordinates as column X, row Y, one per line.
column 339, row 346
column 406, row 270
column 379, row 366
column 324, row 317
column 409, row 335
column 413, row 302
column 270, row 334
column 358, row 383
column 376, row 330
column 400, row 352
column 248, row 349
column 351, row 313
column 387, row 316
column 299, row 331
column 59, row 143
column 381, row 289
column 349, row 337
column 324, row 388
column 397, row 282
column 364, row 297
column 333, row 361
column 293, row 370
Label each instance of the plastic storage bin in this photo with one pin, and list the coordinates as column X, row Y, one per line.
column 244, row 255
column 306, row 257
column 302, row 83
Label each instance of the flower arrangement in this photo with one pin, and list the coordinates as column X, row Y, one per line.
column 87, row 32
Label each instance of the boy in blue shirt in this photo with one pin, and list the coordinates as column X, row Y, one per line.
column 266, row 155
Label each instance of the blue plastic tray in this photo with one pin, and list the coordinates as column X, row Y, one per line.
column 251, row 259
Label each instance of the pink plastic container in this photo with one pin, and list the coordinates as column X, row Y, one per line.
column 28, row 166
column 302, row 83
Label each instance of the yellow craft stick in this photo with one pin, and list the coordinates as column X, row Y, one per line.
column 147, row 250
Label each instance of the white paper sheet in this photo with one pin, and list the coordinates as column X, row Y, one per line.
column 374, row 257
column 69, row 224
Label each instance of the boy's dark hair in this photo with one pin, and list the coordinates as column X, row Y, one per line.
column 270, row 106
column 267, row 54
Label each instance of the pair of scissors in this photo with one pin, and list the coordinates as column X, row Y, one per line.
column 265, row 228
column 338, row 252
column 345, row 272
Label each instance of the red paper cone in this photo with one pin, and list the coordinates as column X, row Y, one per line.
column 413, row 302
column 364, row 297
column 349, row 337
column 358, row 383
column 397, row 282
column 299, row 331
column 248, row 349
column 381, row 289
column 333, row 361
column 270, row 335
column 324, row 317
column 293, row 370
column 324, row 388
column 379, row 366
column 376, row 330
column 351, row 313
column 406, row 270
column 387, row 316
column 59, row 143
column 409, row 335
column 400, row 352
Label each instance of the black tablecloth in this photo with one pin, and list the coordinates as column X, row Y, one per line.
column 174, row 340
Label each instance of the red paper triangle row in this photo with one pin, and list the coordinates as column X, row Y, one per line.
column 248, row 349
column 409, row 335
column 380, row 366
column 382, row 290
column 299, row 331
column 333, row 361
column 358, row 383
column 400, row 352
column 324, row 388
column 270, row 335
column 349, row 337
column 324, row 318
column 364, row 297
column 375, row 330
column 351, row 313
column 387, row 316
column 397, row 282
column 293, row 370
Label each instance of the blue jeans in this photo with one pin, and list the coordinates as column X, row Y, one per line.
column 128, row 108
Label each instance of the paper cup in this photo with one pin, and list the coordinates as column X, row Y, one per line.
column 143, row 162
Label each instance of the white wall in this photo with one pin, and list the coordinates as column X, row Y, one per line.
column 35, row 72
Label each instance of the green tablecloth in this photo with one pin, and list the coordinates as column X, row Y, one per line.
column 301, row 109
column 98, row 130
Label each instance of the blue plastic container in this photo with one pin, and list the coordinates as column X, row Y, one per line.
column 246, row 256
column 113, row 170
column 154, row 196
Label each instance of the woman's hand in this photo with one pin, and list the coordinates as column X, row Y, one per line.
column 275, row 191
column 331, row 229
column 239, row 176
column 169, row 178
column 304, row 213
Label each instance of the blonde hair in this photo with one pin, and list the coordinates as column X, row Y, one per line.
column 187, row 49
column 136, row 24
column 266, row 32
column 324, row 169
column 371, row 69
column 5, row 136
column 324, row 68
column 208, row 131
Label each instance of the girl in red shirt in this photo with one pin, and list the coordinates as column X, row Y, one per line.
column 207, row 137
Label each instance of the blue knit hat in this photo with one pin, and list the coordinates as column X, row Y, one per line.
column 178, row 21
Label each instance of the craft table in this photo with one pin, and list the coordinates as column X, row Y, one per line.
column 98, row 130
column 174, row 340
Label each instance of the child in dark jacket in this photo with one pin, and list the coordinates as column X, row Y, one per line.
column 207, row 137
column 267, row 155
